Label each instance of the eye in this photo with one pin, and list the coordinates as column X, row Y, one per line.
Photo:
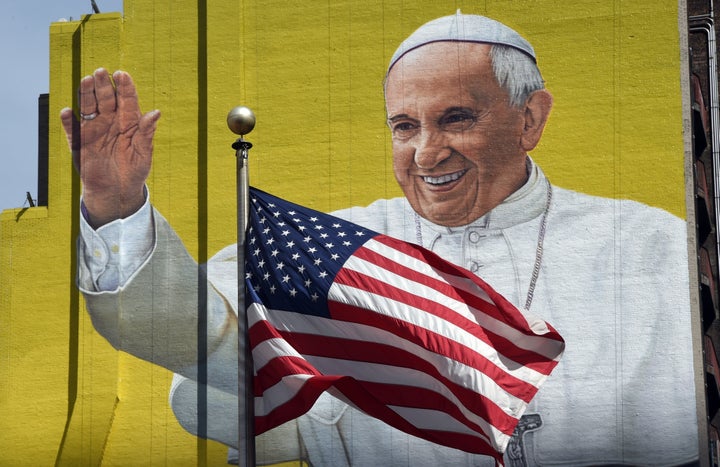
column 403, row 129
column 457, row 121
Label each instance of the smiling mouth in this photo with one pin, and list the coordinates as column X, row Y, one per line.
column 444, row 179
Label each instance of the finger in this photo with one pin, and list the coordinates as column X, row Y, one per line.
column 71, row 127
column 128, row 107
column 68, row 119
column 88, row 103
column 143, row 140
column 104, row 91
column 72, row 130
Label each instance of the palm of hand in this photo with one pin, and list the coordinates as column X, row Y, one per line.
column 111, row 144
column 112, row 157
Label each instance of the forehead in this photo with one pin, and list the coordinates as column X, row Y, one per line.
column 442, row 69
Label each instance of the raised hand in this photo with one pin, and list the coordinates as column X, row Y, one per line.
column 112, row 144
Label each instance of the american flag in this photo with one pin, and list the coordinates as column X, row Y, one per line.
column 395, row 330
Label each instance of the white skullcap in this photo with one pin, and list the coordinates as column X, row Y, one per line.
column 462, row 28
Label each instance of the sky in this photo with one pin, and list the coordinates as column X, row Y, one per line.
column 24, row 33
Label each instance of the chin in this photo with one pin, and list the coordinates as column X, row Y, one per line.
column 441, row 218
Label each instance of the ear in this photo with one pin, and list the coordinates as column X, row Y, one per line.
column 537, row 111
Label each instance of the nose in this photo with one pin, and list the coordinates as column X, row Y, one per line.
column 431, row 149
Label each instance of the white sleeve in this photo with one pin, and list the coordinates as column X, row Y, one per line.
column 159, row 313
column 111, row 254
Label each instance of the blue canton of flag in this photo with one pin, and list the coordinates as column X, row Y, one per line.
column 294, row 253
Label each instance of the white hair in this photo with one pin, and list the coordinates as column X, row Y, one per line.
column 516, row 72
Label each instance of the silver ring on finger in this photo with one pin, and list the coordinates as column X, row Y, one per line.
column 88, row 116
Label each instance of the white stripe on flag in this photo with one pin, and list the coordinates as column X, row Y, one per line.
column 546, row 347
column 280, row 393
column 420, row 318
column 377, row 373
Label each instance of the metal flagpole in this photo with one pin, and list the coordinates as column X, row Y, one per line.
column 241, row 121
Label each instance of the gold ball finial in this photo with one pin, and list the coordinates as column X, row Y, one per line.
column 241, row 120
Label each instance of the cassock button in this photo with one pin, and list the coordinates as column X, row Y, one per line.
column 474, row 237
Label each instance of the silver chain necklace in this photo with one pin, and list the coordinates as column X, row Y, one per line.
column 538, row 249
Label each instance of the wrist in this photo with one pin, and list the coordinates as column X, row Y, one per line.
column 103, row 210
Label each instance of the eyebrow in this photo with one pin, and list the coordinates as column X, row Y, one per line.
column 458, row 109
column 445, row 112
column 399, row 117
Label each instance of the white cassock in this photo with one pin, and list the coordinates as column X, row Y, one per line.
column 612, row 279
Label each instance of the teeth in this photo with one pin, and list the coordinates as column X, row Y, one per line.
column 445, row 178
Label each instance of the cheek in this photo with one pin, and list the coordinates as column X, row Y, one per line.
column 487, row 145
column 402, row 159
column 477, row 139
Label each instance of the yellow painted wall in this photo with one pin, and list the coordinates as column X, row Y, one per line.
column 312, row 72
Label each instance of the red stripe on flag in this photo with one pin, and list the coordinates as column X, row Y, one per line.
column 373, row 398
column 498, row 309
column 370, row 352
column 374, row 408
column 436, row 343
column 507, row 348
column 277, row 369
column 355, row 391
column 295, row 406
column 423, row 398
